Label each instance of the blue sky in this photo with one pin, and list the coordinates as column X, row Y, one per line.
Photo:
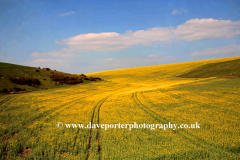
column 96, row 35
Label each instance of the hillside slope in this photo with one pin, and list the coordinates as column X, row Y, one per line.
column 34, row 79
column 145, row 95
column 226, row 69
column 157, row 75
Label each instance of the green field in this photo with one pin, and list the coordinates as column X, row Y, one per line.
column 176, row 93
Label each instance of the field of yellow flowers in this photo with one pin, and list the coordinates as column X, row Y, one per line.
column 29, row 123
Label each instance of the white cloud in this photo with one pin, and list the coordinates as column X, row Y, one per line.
column 100, row 65
column 200, row 29
column 6, row 58
column 112, row 63
column 152, row 55
column 68, row 13
column 221, row 50
column 63, row 53
column 152, row 59
column 112, row 41
column 61, row 65
column 176, row 11
column 192, row 30
column 109, row 59
column 67, row 66
column 48, row 61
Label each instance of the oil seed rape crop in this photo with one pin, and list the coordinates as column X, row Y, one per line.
column 144, row 95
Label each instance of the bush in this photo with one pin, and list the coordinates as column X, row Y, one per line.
column 25, row 81
column 83, row 75
column 17, row 89
column 65, row 79
column 5, row 90
column 92, row 79
column 98, row 78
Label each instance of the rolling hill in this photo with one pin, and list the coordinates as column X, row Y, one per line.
column 228, row 69
column 15, row 77
column 46, row 124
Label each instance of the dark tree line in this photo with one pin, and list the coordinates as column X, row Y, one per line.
column 65, row 79
column 25, row 81
column 72, row 80
column 5, row 90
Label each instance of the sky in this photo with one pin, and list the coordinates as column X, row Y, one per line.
column 85, row 36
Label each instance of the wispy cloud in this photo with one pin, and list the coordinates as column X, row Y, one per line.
column 112, row 41
column 62, row 53
column 68, row 66
column 68, row 13
column 218, row 51
column 191, row 30
column 133, row 62
column 99, row 65
column 50, row 63
column 6, row 58
column 179, row 11
column 118, row 63
column 200, row 29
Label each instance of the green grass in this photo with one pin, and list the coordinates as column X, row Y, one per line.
column 11, row 70
column 228, row 69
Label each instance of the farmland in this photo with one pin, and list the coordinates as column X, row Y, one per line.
column 152, row 95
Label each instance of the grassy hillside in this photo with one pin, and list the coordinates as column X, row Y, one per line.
column 228, row 69
column 43, row 75
column 150, row 95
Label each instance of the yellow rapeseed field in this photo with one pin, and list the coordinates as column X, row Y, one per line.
column 30, row 127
